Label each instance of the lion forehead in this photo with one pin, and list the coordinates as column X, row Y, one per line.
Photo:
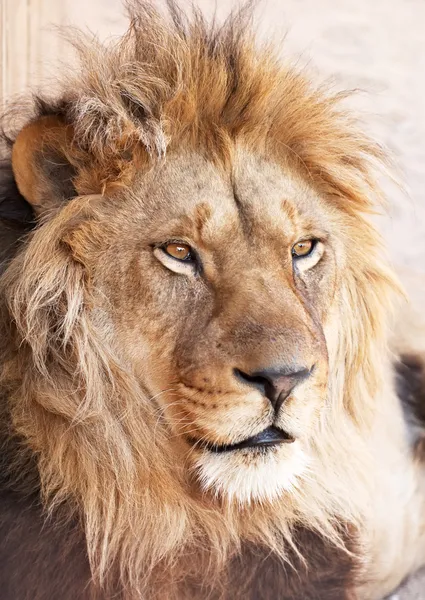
column 192, row 194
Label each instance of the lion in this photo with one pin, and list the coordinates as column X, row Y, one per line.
column 199, row 399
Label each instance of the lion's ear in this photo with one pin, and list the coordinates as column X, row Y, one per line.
column 41, row 166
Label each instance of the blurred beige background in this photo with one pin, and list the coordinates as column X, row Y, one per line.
column 377, row 46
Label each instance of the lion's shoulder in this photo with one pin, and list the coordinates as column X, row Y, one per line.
column 39, row 558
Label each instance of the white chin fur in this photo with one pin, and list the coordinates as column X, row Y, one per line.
column 247, row 476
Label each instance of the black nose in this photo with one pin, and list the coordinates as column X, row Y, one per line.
column 275, row 384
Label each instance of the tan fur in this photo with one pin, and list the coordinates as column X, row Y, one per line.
column 182, row 131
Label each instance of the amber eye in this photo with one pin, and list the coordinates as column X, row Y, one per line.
column 301, row 249
column 179, row 251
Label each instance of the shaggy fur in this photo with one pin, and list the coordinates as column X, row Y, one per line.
column 109, row 360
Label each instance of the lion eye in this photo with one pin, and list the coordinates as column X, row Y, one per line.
column 303, row 248
column 178, row 257
column 179, row 251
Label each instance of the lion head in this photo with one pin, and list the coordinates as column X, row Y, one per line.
column 197, row 314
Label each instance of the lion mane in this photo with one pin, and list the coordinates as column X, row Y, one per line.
column 80, row 436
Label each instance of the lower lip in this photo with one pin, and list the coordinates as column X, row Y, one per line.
column 271, row 437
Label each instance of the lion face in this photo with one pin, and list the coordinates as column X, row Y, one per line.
column 219, row 287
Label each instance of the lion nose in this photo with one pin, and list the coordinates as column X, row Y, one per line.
column 274, row 384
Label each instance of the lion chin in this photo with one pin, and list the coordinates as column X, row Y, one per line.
column 252, row 475
column 197, row 396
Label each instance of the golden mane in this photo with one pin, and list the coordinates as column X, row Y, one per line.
column 171, row 81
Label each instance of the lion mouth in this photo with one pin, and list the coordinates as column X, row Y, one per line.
column 272, row 436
